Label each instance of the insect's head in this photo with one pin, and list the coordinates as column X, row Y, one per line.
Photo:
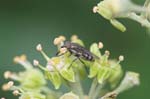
column 67, row 44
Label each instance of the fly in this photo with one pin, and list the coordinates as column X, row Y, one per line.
column 79, row 51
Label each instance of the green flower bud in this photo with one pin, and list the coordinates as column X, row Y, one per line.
column 130, row 80
column 32, row 79
column 69, row 96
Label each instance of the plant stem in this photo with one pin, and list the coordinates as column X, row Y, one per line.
column 77, row 87
column 146, row 2
column 93, row 88
column 97, row 91
column 142, row 21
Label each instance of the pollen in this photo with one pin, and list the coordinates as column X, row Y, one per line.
column 20, row 58
column 7, row 74
column 63, row 38
column 107, row 52
column 7, row 86
column 121, row 58
column 16, row 92
column 100, row 45
column 35, row 62
column 95, row 9
column 39, row 47
column 74, row 37
column 59, row 40
column 10, row 83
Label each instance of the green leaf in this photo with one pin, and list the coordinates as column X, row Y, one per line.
column 118, row 25
column 68, row 74
column 95, row 50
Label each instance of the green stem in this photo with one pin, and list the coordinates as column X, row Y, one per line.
column 142, row 21
column 146, row 2
column 92, row 89
column 97, row 91
column 77, row 87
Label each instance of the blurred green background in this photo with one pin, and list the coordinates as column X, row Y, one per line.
column 25, row 23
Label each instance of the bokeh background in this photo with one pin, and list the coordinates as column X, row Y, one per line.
column 25, row 23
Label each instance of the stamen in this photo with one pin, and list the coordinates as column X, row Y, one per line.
column 39, row 48
column 62, row 38
column 107, row 53
column 11, row 75
column 57, row 41
column 100, row 45
column 23, row 61
column 7, row 74
column 7, row 86
column 95, row 9
column 74, row 37
column 10, row 83
column 36, row 63
column 121, row 58
column 18, row 59
column 16, row 92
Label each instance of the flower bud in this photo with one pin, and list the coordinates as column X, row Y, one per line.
column 130, row 80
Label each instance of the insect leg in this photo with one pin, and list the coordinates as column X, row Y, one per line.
column 81, row 61
column 72, row 62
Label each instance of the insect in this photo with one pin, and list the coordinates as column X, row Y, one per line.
column 79, row 51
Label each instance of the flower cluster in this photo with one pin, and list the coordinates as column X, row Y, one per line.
column 67, row 69
column 113, row 9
